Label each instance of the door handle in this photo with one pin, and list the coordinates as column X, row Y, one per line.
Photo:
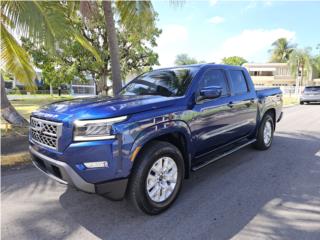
column 230, row 104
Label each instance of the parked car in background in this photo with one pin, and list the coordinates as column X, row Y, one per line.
column 161, row 126
column 310, row 94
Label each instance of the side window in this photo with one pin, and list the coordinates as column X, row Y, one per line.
column 215, row 77
column 239, row 82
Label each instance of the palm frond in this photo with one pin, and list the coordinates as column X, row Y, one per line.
column 15, row 60
column 42, row 22
column 85, row 44
column 137, row 16
column 45, row 23
column 72, row 7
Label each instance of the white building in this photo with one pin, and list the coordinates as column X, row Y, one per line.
column 276, row 74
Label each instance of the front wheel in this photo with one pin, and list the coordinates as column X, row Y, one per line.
column 156, row 178
column 265, row 133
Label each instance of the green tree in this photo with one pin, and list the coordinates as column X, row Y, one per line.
column 185, row 59
column 44, row 23
column 54, row 70
column 300, row 63
column 138, row 17
column 72, row 58
column 281, row 50
column 316, row 61
column 234, row 60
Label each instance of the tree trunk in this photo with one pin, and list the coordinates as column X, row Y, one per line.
column 51, row 90
column 113, row 47
column 14, row 83
column 8, row 112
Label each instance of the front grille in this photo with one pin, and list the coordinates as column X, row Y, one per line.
column 45, row 132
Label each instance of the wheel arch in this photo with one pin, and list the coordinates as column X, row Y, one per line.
column 178, row 134
column 272, row 112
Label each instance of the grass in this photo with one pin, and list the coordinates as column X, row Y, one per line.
column 290, row 100
column 25, row 106
column 15, row 159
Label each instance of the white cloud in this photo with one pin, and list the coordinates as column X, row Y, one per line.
column 268, row 3
column 250, row 5
column 216, row 20
column 256, row 3
column 213, row 2
column 173, row 40
column 251, row 44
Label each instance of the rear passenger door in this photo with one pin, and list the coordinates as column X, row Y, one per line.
column 243, row 103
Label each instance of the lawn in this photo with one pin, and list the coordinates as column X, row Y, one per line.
column 27, row 105
column 290, row 100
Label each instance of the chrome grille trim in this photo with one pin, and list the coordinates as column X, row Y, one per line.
column 45, row 133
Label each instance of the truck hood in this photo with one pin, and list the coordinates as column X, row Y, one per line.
column 102, row 107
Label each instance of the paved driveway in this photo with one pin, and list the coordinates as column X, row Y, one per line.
column 249, row 195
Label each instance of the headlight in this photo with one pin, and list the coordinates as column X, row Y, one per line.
column 90, row 130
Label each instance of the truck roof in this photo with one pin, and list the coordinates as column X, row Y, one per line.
column 204, row 65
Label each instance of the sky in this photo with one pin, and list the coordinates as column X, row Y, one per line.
column 213, row 29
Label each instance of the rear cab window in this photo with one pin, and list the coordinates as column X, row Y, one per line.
column 239, row 82
column 312, row 89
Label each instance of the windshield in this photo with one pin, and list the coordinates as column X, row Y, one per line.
column 166, row 82
column 312, row 89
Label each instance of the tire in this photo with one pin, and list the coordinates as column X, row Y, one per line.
column 144, row 175
column 266, row 123
column 301, row 102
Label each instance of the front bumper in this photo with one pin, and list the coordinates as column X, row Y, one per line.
column 280, row 117
column 63, row 173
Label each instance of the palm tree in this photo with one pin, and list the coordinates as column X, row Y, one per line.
column 138, row 17
column 316, row 61
column 300, row 65
column 281, row 50
column 44, row 23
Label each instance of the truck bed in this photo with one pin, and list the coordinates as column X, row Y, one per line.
column 265, row 92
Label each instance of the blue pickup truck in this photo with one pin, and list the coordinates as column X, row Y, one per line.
column 164, row 124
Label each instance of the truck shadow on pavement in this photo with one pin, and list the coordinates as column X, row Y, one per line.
column 248, row 195
column 268, row 194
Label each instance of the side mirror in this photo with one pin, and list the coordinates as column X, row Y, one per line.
column 209, row 93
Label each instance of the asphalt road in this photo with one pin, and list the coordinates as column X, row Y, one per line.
column 273, row 194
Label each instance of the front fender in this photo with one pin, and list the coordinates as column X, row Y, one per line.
column 160, row 129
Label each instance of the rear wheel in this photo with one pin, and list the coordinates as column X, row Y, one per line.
column 301, row 102
column 265, row 133
column 156, row 178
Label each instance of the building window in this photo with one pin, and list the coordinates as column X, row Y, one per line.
column 261, row 73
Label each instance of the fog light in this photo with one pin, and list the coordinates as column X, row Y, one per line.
column 102, row 164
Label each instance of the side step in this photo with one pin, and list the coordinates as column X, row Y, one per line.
column 216, row 157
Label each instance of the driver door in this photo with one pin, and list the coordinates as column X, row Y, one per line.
column 213, row 117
